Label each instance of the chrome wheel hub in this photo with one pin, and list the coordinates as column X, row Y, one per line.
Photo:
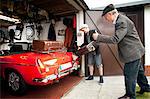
column 13, row 81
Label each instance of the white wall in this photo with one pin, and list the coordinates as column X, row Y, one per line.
column 80, row 40
column 80, row 21
column 147, row 34
column 43, row 35
column 60, row 27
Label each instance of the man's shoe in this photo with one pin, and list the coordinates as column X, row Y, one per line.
column 144, row 90
column 124, row 97
column 90, row 78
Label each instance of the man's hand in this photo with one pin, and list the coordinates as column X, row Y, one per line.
column 79, row 47
column 95, row 35
column 80, row 33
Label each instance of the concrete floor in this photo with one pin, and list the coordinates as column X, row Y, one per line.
column 112, row 88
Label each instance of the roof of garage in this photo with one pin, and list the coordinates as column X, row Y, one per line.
column 56, row 7
column 28, row 8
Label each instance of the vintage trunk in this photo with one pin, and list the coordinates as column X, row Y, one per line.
column 45, row 45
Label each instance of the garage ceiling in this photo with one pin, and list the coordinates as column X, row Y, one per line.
column 22, row 8
column 55, row 6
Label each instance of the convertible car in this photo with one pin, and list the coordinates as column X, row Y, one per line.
column 22, row 68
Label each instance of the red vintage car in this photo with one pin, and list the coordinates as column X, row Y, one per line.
column 23, row 68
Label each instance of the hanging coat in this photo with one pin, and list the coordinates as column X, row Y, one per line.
column 68, row 37
column 51, row 33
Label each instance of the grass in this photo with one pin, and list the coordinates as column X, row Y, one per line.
column 146, row 95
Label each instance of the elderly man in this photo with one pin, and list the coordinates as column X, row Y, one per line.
column 130, row 49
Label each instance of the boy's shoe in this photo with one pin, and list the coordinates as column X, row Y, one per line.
column 90, row 78
column 124, row 97
column 101, row 79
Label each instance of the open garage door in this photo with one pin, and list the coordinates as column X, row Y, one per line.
column 111, row 62
column 112, row 65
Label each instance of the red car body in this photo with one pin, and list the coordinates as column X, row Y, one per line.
column 36, row 68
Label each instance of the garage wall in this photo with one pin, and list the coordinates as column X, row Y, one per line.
column 43, row 35
column 147, row 37
column 147, row 34
column 80, row 21
column 80, row 39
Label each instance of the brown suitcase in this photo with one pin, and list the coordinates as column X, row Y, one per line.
column 87, row 48
column 83, row 50
column 45, row 45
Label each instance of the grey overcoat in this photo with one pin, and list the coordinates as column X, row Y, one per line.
column 126, row 36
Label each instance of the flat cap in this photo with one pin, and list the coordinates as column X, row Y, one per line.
column 108, row 8
column 84, row 26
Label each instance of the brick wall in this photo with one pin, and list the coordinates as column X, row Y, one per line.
column 147, row 70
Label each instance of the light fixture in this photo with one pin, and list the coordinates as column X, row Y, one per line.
column 2, row 17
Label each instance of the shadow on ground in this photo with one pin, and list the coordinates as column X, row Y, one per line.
column 53, row 91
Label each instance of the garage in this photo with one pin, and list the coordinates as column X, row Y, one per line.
column 29, row 21
column 25, row 26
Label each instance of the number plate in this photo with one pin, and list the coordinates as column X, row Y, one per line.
column 65, row 66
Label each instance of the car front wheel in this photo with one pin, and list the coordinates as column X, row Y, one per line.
column 16, row 84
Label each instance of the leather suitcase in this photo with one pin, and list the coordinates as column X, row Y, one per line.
column 87, row 48
column 83, row 50
column 45, row 45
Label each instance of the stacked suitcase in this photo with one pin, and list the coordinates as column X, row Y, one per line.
column 45, row 45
